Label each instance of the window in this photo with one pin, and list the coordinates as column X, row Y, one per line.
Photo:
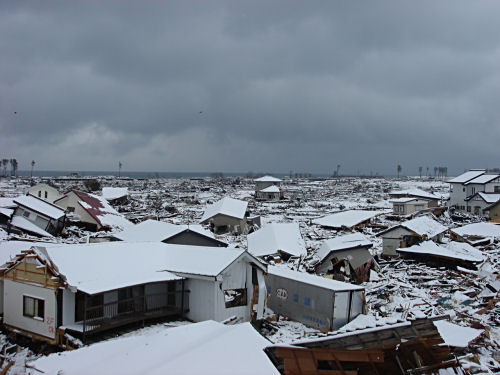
column 34, row 307
column 307, row 301
column 235, row 297
column 295, row 298
column 70, row 209
column 45, row 195
column 26, row 214
column 496, row 189
column 39, row 193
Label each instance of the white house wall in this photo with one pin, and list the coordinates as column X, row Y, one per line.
column 68, row 308
column 202, row 298
column 40, row 190
column 72, row 200
column 392, row 240
column 13, row 313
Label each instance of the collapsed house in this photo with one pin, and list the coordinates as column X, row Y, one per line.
column 160, row 231
column 85, row 289
column 283, row 239
column 404, row 347
column 226, row 215
column 477, row 233
column 431, row 199
column 313, row 300
column 351, row 219
column 115, row 195
column 38, row 217
column 409, row 233
column 199, row 348
column 91, row 211
column 346, row 257
column 451, row 254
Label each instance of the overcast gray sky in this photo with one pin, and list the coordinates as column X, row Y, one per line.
column 250, row 85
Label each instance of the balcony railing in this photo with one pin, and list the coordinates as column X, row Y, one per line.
column 129, row 310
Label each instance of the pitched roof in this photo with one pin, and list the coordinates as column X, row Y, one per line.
column 346, row 219
column 267, row 179
column 315, row 280
column 226, row 206
column 39, row 205
column 452, row 250
column 487, row 197
column 157, row 231
column 423, row 226
column 275, row 237
column 111, row 193
column 467, row 176
column 270, row 189
column 483, row 179
column 487, row 230
column 414, row 193
column 346, row 242
column 27, row 226
column 99, row 267
column 100, row 210
column 207, row 347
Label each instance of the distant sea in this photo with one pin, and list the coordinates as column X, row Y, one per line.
column 137, row 174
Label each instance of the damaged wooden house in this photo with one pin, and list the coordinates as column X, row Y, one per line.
column 38, row 217
column 410, row 233
column 346, row 257
column 91, row 211
column 268, row 188
column 85, row 289
column 399, row 347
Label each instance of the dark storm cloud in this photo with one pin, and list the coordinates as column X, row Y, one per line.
column 280, row 85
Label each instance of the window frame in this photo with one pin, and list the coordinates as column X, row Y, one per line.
column 38, row 308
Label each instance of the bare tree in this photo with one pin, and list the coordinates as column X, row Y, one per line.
column 420, row 171
column 119, row 168
column 399, row 169
column 435, row 171
column 5, row 162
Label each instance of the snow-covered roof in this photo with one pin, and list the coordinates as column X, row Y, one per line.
column 271, row 189
column 202, row 348
column 40, row 206
column 99, row 267
column 7, row 202
column 486, row 230
column 415, row 193
column 455, row 335
column 26, row 225
column 424, row 226
column 157, row 231
column 451, row 250
column 483, row 179
column 315, row 280
column 101, row 211
column 6, row 211
column 489, row 197
column 346, row 219
column 346, row 242
column 226, row 206
column 111, row 193
column 9, row 249
column 274, row 237
column 407, row 200
column 467, row 176
column 267, row 179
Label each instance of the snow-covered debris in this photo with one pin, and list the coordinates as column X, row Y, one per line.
column 346, row 219
column 455, row 335
column 226, row 206
column 202, row 348
column 483, row 230
column 27, row 226
column 460, row 251
column 274, row 238
column 111, row 193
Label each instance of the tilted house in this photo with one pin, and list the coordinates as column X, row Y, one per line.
column 115, row 195
column 313, row 300
column 277, row 238
column 409, row 233
column 346, row 257
column 226, row 215
column 84, row 289
column 44, row 191
column 477, row 233
column 38, row 217
column 91, row 211
column 160, row 231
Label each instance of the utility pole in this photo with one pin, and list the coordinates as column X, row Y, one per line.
column 119, row 168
